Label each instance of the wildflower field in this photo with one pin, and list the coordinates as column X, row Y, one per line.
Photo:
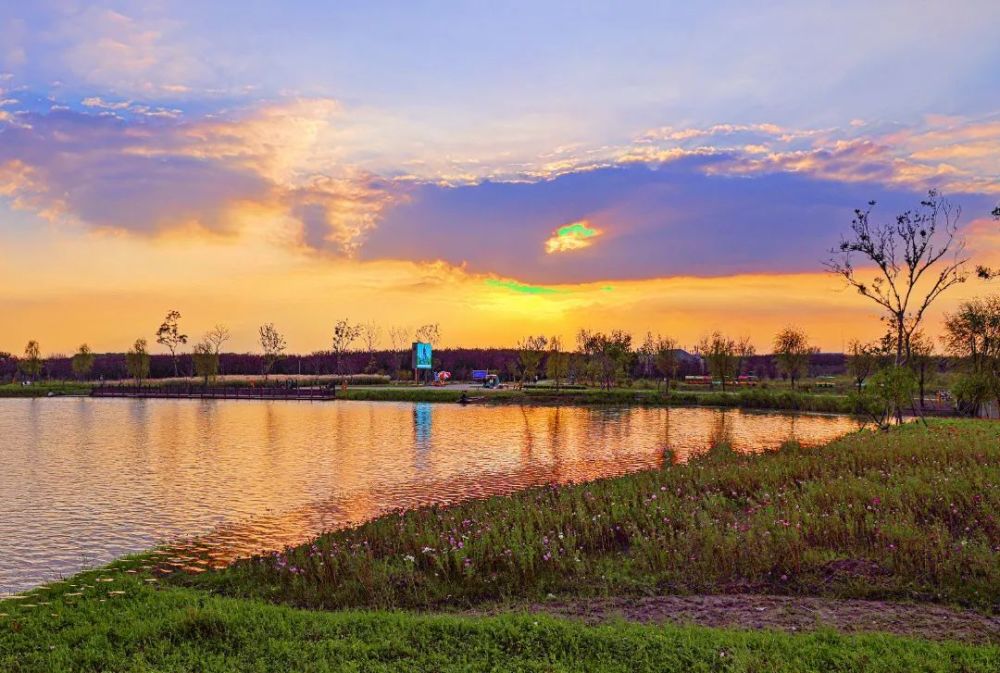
column 911, row 514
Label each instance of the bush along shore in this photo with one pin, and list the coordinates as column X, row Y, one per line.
column 909, row 514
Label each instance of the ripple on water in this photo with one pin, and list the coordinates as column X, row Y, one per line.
column 83, row 481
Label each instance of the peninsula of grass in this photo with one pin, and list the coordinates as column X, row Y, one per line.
column 909, row 514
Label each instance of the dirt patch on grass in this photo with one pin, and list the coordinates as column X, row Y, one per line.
column 787, row 613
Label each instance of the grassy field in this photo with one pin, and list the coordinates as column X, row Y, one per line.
column 909, row 514
column 114, row 621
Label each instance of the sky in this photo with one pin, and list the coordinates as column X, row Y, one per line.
column 502, row 169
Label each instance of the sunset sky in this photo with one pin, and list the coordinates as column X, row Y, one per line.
column 502, row 168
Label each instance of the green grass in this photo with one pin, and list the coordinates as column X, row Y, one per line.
column 126, row 625
column 44, row 389
column 909, row 514
column 748, row 399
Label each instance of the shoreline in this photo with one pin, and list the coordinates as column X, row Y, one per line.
column 755, row 399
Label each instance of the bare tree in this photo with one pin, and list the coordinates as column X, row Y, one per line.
column 916, row 258
column 370, row 334
column 169, row 335
column 216, row 338
column 399, row 339
column 429, row 333
column 744, row 351
column 557, row 362
column 273, row 345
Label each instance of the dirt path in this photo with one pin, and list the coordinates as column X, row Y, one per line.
column 787, row 613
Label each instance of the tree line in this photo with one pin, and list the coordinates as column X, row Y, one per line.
column 903, row 266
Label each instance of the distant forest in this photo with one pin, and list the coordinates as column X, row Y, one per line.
column 459, row 361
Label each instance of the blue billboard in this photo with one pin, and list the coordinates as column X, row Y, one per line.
column 421, row 355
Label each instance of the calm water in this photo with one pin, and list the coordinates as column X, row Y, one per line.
column 83, row 481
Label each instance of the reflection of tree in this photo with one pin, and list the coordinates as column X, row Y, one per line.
column 721, row 431
column 667, row 452
column 528, row 448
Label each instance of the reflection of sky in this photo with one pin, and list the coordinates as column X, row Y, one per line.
column 98, row 478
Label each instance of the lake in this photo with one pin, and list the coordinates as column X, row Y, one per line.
column 83, row 481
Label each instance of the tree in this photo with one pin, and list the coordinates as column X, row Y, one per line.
column 137, row 361
column 792, row 352
column 744, row 351
column 169, row 335
column 82, row 362
column 429, row 333
column 917, row 258
column 273, row 345
column 217, row 337
column 666, row 358
column 557, row 363
column 371, row 333
column 921, row 359
column 862, row 361
column 31, row 364
column 399, row 340
column 607, row 355
column 985, row 272
column 888, row 391
column 344, row 334
column 206, row 360
column 973, row 334
column 646, row 356
column 720, row 354
column 529, row 354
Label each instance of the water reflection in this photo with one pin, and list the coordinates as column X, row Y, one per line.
column 83, row 481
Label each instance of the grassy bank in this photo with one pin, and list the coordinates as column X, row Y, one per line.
column 779, row 400
column 912, row 514
column 44, row 389
column 746, row 399
column 114, row 621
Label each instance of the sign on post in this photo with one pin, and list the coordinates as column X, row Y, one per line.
column 422, row 356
